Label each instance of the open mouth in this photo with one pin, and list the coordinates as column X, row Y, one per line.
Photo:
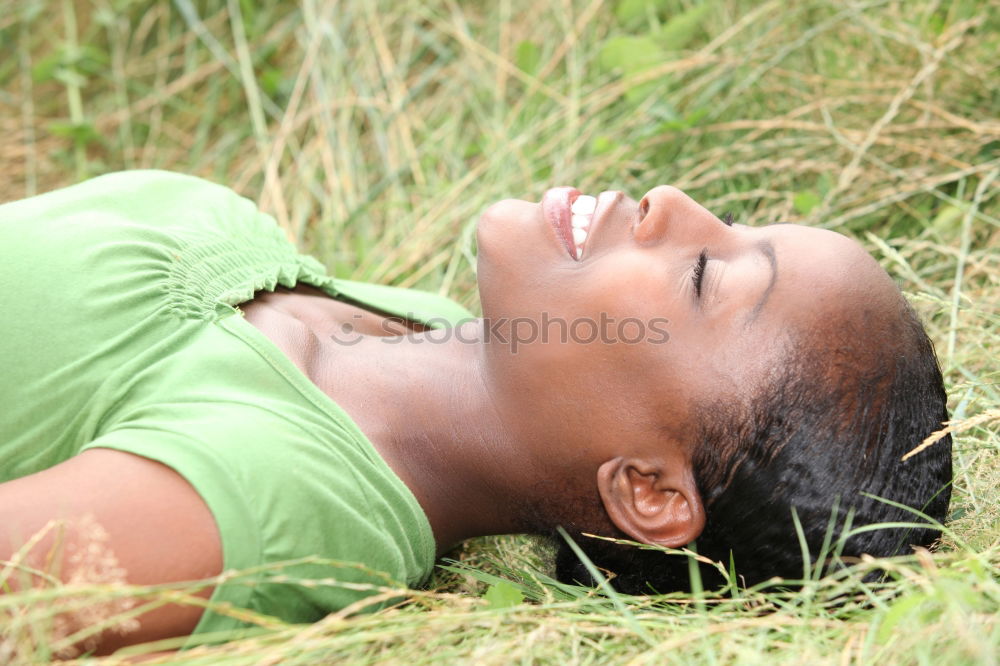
column 570, row 213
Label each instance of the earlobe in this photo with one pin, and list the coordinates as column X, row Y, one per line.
column 652, row 504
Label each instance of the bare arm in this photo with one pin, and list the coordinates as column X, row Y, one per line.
column 157, row 528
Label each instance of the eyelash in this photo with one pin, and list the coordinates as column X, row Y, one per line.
column 699, row 272
column 698, row 275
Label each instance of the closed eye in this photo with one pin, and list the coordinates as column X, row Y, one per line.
column 698, row 276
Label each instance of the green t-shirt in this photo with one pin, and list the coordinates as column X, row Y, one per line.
column 120, row 331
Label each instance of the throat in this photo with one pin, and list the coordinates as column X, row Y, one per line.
column 424, row 407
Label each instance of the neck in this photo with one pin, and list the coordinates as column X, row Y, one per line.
column 434, row 424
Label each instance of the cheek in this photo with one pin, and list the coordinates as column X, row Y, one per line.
column 637, row 294
column 591, row 347
column 606, row 318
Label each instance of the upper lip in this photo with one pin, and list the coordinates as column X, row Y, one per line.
column 606, row 202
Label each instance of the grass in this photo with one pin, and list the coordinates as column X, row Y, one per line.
column 375, row 132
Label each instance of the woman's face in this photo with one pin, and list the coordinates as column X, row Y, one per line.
column 606, row 348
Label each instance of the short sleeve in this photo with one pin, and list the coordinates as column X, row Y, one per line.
column 221, row 486
column 322, row 523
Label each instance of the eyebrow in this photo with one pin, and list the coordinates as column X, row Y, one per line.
column 767, row 250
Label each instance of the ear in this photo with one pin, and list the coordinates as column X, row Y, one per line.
column 650, row 502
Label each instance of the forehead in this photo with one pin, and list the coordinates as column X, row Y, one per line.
column 822, row 274
column 825, row 291
column 826, row 255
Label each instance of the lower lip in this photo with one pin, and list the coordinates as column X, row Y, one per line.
column 556, row 209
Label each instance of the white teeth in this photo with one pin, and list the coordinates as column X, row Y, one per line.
column 584, row 205
column 583, row 213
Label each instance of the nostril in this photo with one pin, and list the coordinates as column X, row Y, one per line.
column 643, row 208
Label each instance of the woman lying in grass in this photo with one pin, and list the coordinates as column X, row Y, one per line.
column 182, row 386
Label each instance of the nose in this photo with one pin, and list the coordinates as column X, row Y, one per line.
column 667, row 210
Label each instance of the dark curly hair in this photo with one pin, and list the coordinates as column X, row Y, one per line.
column 824, row 434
